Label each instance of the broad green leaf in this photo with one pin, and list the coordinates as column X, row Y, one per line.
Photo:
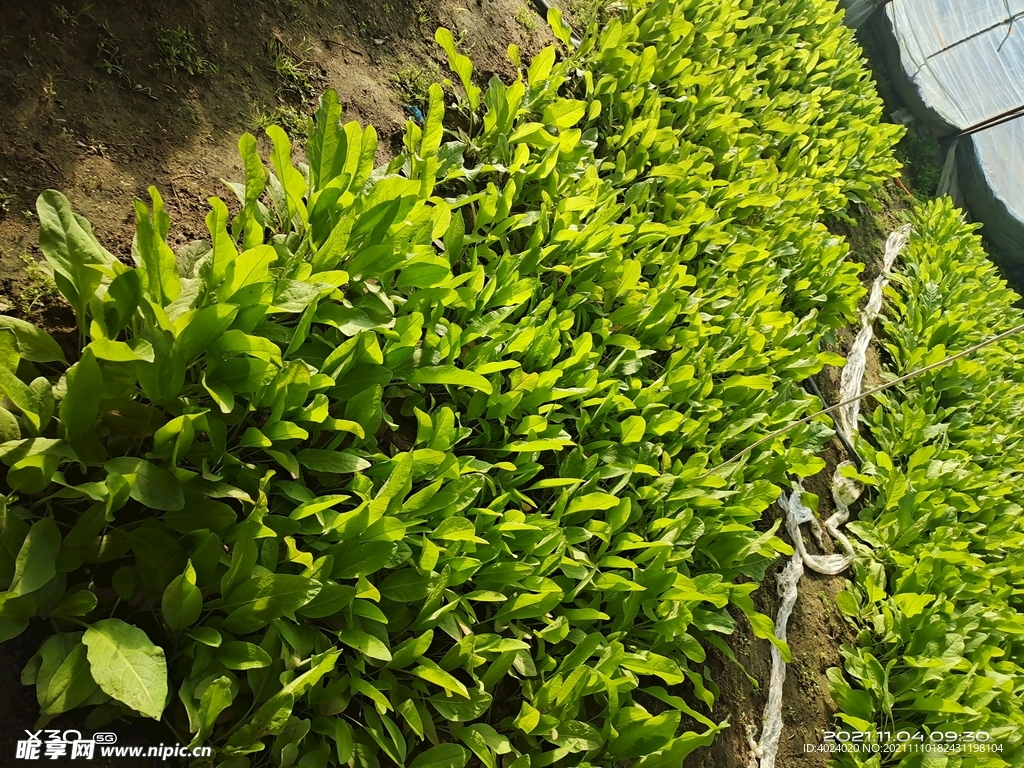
column 365, row 643
column 647, row 663
column 333, row 462
column 151, row 486
column 33, row 343
column 139, row 350
column 247, row 223
column 438, row 676
column 432, row 127
column 36, row 561
column 442, row 756
column 80, row 408
column 364, row 559
column 215, row 699
column 645, row 735
column 77, row 603
column 248, row 268
column 292, row 181
column 236, row 654
column 127, row 666
column 256, row 602
column 199, row 329
column 71, row 248
column 124, row 295
column 222, row 246
column 529, row 446
column 456, row 709
column 63, row 681
column 456, row 529
column 206, row 635
column 484, row 741
column 449, row 374
column 327, row 148
column 761, row 625
column 159, row 267
column 564, row 113
column 22, row 396
column 182, row 600
column 13, row 531
column 461, row 65
column 632, row 430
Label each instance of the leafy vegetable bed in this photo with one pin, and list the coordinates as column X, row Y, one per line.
column 937, row 591
column 406, row 466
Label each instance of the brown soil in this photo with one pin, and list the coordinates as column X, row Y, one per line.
column 815, row 630
column 867, row 230
column 92, row 108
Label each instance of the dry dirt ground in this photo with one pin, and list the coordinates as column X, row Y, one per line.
column 96, row 100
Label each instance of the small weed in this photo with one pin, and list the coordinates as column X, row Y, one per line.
column 5, row 198
column 918, row 156
column 111, row 60
column 178, row 53
column 414, row 82
column 587, row 12
column 66, row 16
column 422, row 14
column 108, row 54
column 462, row 44
column 38, row 287
column 291, row 120
column 527, row 18
column 295, row 75
column 48, row 89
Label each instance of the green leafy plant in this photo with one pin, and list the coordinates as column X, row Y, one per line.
column 178, row 52
column 526, row 18
column 295, row 75
column 66, row 16
column 294, row 123
column 413, row 82
column 111, row 60
column 37, row 288
column 404, row 464
column 934, row 598
column 108, row 54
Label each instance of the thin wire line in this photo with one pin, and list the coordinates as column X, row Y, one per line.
column 870, row 392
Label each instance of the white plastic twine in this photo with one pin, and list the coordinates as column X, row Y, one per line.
column 763, row 753
column 853, row 371
column 845, row 491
